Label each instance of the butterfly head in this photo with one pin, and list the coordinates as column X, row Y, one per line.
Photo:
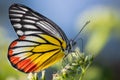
column 71, row 46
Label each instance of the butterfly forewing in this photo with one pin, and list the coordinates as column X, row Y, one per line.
column 26, row 21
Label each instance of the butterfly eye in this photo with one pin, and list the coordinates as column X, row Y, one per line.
column 74, row 43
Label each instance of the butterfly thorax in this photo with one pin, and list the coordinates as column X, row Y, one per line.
column 70, row 46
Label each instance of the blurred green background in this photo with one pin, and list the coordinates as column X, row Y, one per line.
column 101, row 37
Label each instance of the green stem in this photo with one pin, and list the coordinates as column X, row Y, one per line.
column 84, row 70
column 36, row 76
column 82, row 74
column 43, row 75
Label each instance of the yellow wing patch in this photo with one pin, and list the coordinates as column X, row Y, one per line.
column 52, row 39
column 52, row 59
column 45, row 47
column 47, row 59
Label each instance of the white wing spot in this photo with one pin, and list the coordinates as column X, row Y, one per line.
column 47, row 26
column 14, row 7
column 31, row 17
column 30, row 26
column 19, row 32
column 16, row 15
column 26, row 43
column 23, row 55
column 32, row 32
column 18, row 11
column 22, row 49
column 17, row 19
column 17, row 25
column 23, row 8
column 29, row 21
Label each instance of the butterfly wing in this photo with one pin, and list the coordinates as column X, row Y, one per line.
column 41, row 42
column 35, row 52
column 26, row 21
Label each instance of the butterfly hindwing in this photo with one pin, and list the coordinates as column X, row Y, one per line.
column 33, row 53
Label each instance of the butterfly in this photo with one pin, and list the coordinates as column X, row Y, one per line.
column 40, row 44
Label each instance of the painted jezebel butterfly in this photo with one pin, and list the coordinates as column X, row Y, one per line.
column 40, row 43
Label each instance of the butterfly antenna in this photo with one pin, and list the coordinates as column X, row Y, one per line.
column 81, row 29
column 82, row 44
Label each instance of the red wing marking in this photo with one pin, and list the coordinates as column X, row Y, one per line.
column 22, row 38
column 10, row 52
column 30, row 68
column 13, row 44
column 26, row 65
column 15, row 60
